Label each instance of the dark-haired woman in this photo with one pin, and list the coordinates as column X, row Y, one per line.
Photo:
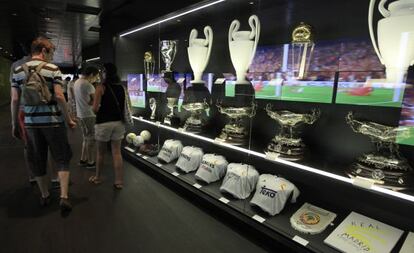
column 84, row 96
column 109, row 107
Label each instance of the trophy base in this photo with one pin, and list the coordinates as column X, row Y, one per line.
column 193, row 128
column 236, row 139
column 286, row 152
column 396, row 180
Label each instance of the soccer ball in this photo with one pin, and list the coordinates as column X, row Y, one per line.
column 138, row 140
column 146, row 135
column 130, row 137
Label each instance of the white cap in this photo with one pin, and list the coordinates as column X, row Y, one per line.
column 146, row 135
column 240, row 180
column 212, row 168
column 190, row 159
column 273, row 192
column 170, row 151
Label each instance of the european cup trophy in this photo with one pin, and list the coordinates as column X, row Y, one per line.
column 171, row 104
column 149, row 64
column 235, row 132
column 288, row 144
column 243, row 45
column 199, row 52
column 195, row 123
column 395, row 32
column 168, row 50
column 385, row 167
column 153, row 107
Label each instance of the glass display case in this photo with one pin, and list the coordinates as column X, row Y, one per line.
column 294, row 154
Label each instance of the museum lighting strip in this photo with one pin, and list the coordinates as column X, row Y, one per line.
column 289, row 163
column 140, row 28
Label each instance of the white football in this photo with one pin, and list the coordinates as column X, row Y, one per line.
column 138, row 141
column 130, row 137
column 146, row 135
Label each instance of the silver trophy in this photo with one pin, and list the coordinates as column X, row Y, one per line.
column 235, row 132
column 386, row 167
column 149, row 64
column 153, row 107
column 195, row 123
column 171, row 104
column 288, row 144
column 168, row 50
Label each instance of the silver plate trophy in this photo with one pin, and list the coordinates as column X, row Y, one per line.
column 195, row 123
column 171, row 104
column 235, row 132
column 168, row 49
column 288, row 144
column 385, row 166
column 153, row 107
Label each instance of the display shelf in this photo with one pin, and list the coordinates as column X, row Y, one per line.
column 301, row 167
column 279, row 223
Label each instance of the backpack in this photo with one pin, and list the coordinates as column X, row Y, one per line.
column 35, row 90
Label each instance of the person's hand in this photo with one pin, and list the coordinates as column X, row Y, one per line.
column 16, row 133
column 71, row 124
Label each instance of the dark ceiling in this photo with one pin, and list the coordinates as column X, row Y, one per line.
column 73, row 25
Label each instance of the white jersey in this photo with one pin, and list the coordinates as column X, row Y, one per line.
column 170, row 151
column 273, row 192
column 190, row 159
column 212, row 168
column 240, row 180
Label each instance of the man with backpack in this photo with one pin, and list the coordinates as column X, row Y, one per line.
column 39, row 82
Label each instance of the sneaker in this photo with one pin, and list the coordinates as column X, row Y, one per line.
column 91, row 165
column 45, row 201
column 82, row 163
column 65, row 205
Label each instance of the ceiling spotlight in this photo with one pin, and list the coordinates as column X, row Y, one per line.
column 251, row 2
column 48, row 18
column 178, row 20
column 14, row 14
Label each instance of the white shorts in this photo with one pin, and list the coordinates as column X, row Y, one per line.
column 110, row 131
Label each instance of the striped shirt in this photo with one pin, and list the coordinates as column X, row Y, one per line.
column 41, row 115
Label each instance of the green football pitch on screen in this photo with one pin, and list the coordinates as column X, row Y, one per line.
column 377, row 97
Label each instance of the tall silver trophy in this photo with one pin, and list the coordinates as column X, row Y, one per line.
column 153, row 107
column 288, row 144
column 149, row 64
column 171, row 104
column 168, row 49
column 195, row 122
column 385, row 166
column 235, row 132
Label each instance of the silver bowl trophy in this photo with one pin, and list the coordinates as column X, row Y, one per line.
column 168, row 49
column 149, row 64
column 235, row 132
column 288, row 144
column 242, row 46
column 195, row 123
column 153, row 107
column 386, row 167
column 171, row 104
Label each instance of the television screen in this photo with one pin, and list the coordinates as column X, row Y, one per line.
column 230, row 84
column 136, row 90
column 406, row 135
column 368, row 88
column 156, row 83
column 317, row 88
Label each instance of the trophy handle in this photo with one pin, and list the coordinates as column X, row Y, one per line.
column 268, row 108
column 254, row 23
column 386, row 13
column 208, row 32
column 310, row 119
column 193, row 35
column 234, row 27
column 254, row 107
column 370, row 20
